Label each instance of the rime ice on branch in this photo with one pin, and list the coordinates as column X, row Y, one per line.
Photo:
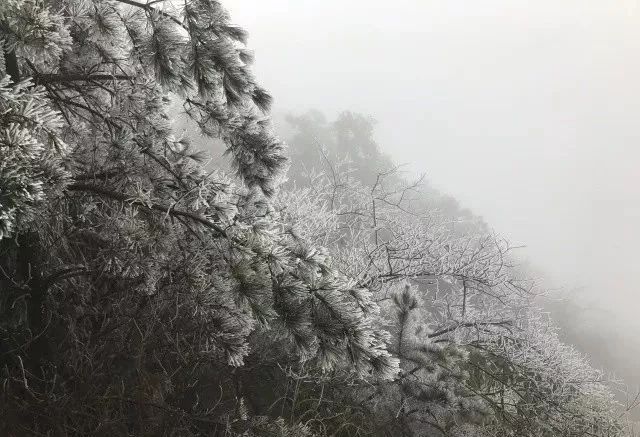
column 129, row 276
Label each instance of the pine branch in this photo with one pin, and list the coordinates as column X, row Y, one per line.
column 468, row 325
column 148, row 7
column 64, row 273
column 170, row 210
column 58, row 78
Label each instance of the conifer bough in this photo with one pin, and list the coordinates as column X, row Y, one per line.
column 133, row 284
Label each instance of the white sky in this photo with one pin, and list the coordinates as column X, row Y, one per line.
column 526, row 111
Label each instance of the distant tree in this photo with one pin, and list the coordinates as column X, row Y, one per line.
column 349, row 138
column 317, row 145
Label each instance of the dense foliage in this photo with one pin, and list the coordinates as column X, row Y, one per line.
column 141, row 294
column 478, row 356
column 128, row 273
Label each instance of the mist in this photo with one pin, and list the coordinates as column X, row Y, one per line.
column 523, row 111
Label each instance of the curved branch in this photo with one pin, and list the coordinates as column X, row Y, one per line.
column 467, row 325
column 170, row 210
column 148, row 7
column 57, row 78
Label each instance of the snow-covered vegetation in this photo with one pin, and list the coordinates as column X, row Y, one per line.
column 142, row 293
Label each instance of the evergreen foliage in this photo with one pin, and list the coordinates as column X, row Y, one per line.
column 142, row 295
column 130, row 277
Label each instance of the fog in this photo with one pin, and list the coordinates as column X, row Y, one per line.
column 526, row 112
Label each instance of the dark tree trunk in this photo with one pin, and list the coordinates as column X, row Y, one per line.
column 28, row 270
column 11, row 64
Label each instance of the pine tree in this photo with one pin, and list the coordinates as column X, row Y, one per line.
column 133, row 282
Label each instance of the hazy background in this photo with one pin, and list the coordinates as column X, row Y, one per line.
column 525, row 111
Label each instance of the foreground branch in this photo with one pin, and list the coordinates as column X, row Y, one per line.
column 155, row 206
